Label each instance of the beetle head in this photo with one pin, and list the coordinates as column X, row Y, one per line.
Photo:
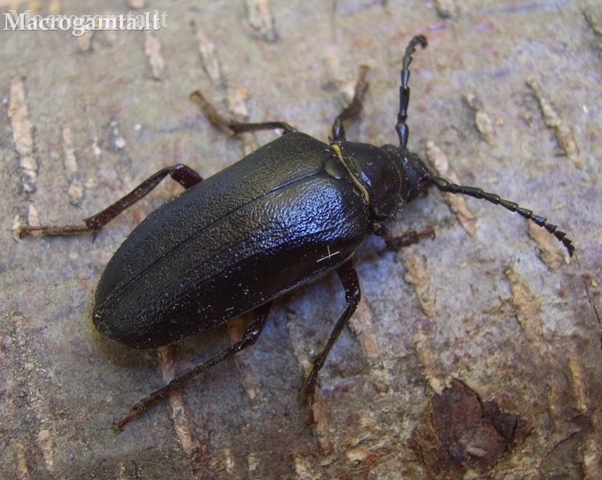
column 415, row 177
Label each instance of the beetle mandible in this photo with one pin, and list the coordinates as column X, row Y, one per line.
column 283, row 215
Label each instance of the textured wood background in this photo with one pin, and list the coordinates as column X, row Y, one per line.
column 477, row 353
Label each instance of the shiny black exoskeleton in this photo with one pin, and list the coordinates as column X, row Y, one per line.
column 278, row 218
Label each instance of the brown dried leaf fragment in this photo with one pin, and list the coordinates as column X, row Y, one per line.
column 459, row 432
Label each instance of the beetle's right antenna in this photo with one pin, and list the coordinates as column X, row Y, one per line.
column 404, row 91
column 474, row 192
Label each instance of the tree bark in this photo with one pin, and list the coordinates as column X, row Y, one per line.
column 476, row 351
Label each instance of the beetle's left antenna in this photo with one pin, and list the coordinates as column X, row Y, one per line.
column 404, row 91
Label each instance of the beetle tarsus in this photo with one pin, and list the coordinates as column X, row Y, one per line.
column 51, row 231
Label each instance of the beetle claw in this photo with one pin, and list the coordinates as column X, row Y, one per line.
column 307, row 394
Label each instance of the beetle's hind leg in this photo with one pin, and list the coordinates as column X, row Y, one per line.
column 182, row 174
column 351, row 284
column 354, row 108
column 252, row 333
column 229, row 125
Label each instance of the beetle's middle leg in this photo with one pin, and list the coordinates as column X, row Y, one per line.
column 228, row 125
column 182, row 174
column 408, row 238
column 252, row 333
column 351, row 284
column 355, row 107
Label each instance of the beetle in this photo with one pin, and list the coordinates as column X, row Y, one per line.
column 292, row 210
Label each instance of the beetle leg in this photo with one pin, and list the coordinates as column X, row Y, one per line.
column 351, row 284
column 252, row 333
column 355, row 107
column 408, row 238
column 182, row 174
column 229, row 125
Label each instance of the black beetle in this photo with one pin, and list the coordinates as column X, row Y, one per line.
column 290, row 211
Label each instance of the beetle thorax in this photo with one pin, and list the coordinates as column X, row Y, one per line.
column 376, row 175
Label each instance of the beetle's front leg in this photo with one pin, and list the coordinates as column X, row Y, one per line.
column 182, row 174
column 408, row 238
column 252, row 333
column 228, row 125
column 351, row 284
column 352, row 111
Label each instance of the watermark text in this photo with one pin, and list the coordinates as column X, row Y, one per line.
column 79, row 25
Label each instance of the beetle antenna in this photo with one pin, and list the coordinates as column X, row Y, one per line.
column 404, row 91
column 446, row 186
